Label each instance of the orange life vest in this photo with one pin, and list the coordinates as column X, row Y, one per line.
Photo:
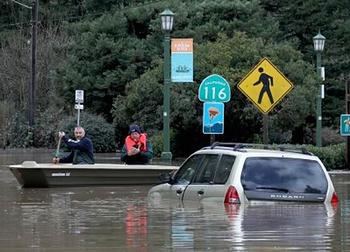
column 141, row 144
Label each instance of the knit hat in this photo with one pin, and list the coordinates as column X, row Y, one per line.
column 134, row 128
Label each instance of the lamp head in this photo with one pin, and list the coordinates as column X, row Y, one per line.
column 167, row 18
column 319, row 41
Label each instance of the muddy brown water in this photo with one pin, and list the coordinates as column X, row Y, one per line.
column 121, row 219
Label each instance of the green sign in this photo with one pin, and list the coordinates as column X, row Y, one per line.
column 345, row 125
column 214, row 88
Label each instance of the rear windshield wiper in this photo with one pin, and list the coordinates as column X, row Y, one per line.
column 280, row 189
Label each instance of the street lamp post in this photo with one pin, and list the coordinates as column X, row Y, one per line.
column 167, row 18
column 319, row 41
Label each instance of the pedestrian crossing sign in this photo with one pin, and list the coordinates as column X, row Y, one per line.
column 265, row 86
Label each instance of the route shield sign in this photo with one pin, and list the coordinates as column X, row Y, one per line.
column 214, row 88
column 345, row 125
column 265, row 86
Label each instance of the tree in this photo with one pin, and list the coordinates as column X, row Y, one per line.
column 113, row 50
column 300, row 21
column 232, row 58
column 102, row 59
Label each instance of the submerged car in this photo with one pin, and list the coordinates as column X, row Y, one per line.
column 236, row 173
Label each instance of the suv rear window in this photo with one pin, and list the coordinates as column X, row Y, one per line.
column 287, row 175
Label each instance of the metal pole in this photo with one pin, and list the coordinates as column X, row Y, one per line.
column 266, row 129
column 319, row 105
column 212, row 139
column 33, row 63
column 166, row 154
column 78, row 118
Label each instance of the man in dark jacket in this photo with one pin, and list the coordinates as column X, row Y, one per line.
column 137, row 148
column 82, row 148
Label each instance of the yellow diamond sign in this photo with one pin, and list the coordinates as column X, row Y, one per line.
column 265, row 85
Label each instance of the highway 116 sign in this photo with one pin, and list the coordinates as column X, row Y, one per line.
column 214, row 88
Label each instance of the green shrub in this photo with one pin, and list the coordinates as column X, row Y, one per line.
column 47, row 125
column 18, row 132
column 97, row 129
column 20, row 135
column 332, row 156
column 157, row 143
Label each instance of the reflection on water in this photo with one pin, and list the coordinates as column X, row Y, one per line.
column 121, row 219
column 251, row 228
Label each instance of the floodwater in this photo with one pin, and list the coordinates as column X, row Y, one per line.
column 120, row 219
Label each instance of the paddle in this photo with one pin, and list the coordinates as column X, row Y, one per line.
column 58, row 147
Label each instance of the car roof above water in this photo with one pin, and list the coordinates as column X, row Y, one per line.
column 249, row 150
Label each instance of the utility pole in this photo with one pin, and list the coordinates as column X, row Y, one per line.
column 33, row 71
column 31, row 89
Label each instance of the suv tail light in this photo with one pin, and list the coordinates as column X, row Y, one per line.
column 232, row 196
column 335, row 198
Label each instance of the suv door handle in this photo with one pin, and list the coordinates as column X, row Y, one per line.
column 200, row 192
column 179, row 191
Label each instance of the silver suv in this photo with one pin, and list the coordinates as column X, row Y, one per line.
column 235, row 173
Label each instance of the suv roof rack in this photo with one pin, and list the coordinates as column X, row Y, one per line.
column 240, row 146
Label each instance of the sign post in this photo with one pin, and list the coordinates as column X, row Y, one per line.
column 79, row 98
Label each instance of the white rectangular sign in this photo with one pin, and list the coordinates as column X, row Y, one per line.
column 79, row 96
column 79, row 106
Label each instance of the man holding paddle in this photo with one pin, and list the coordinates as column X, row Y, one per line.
column 82, row 148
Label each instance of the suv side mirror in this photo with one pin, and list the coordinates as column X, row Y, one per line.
column 166, row 178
